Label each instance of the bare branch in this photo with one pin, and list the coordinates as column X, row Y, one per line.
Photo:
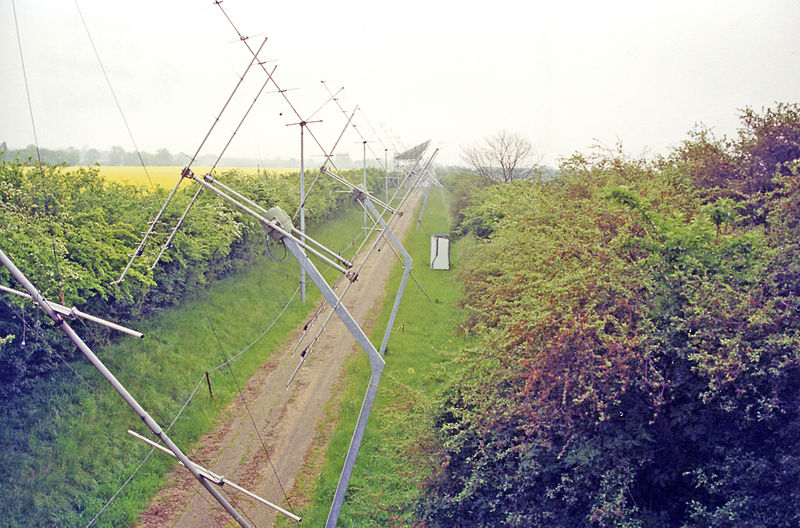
column 504, row 157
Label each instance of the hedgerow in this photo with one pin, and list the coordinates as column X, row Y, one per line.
column 72, row 233
column 639, row 361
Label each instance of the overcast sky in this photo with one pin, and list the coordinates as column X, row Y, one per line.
column 563, row 74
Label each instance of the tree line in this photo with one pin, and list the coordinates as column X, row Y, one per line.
column 638, row 330
column 117, row 156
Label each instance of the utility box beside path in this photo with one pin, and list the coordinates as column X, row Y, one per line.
column 440, row 252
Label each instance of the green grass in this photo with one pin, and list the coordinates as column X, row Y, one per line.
column 64, row 450
column 397, row 452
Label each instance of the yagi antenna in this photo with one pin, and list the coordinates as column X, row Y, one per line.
column 323, row 105
column 168, row 242
column 374, row 132
column 355, row 127
column 151, row 226
column 130, row 400
column 275, row 83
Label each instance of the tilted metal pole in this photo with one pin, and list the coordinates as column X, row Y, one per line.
column 406, row 271
column 74, row 312
column 386, row 171
column 424, row 202
column 168, row 243
column 150, row 228
column 138, row 409
column 376, row 364
column 152, row 225
column 219, row 479
column 302, row 212
column 360, row 188
column 365, row 186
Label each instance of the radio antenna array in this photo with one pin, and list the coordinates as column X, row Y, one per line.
column 140, row 249
column 112, row 380
column 278, row 227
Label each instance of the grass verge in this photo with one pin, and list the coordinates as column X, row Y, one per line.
column 397, row 452
column 64, row 450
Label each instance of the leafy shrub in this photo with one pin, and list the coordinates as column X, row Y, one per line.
column 640, row 361
column 72, row 233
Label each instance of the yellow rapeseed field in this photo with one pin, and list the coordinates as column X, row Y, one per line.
column 165, row 177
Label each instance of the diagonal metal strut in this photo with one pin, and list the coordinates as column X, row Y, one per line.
column 138, row 409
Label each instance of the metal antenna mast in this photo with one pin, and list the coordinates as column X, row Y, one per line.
column 171, row 237
column 302, row 209
column 302, row 125
column 138, row 409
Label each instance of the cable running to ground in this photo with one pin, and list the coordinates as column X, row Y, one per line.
column 247, row 408
column 114, row 95
column 186, row 404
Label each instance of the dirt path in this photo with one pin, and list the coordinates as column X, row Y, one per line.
column 286, row 419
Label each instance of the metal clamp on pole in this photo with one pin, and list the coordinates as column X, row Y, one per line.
column 73, row 312
column 121, row 390
column 219, row 480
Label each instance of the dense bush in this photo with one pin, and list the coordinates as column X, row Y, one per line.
column 640, row 356
column 72, row 233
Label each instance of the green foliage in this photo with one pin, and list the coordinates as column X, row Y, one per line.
column 72, row 233
column 63, row 447
column 399, row 449
column 639, row 361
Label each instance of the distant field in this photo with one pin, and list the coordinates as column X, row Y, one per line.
column 165, row 176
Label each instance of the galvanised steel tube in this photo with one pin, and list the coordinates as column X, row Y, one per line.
column 130, row 400
column 219, row 479
column 408, row 262
column 267, row 222
column 376, row 363
column 69, row 312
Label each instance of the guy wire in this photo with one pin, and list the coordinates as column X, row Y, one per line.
column 38, row 154
column 114, row 95
column 247, row 407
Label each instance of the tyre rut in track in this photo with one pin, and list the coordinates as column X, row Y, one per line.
column 286, row 419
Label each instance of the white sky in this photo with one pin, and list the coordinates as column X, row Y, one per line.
column 563, row 74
